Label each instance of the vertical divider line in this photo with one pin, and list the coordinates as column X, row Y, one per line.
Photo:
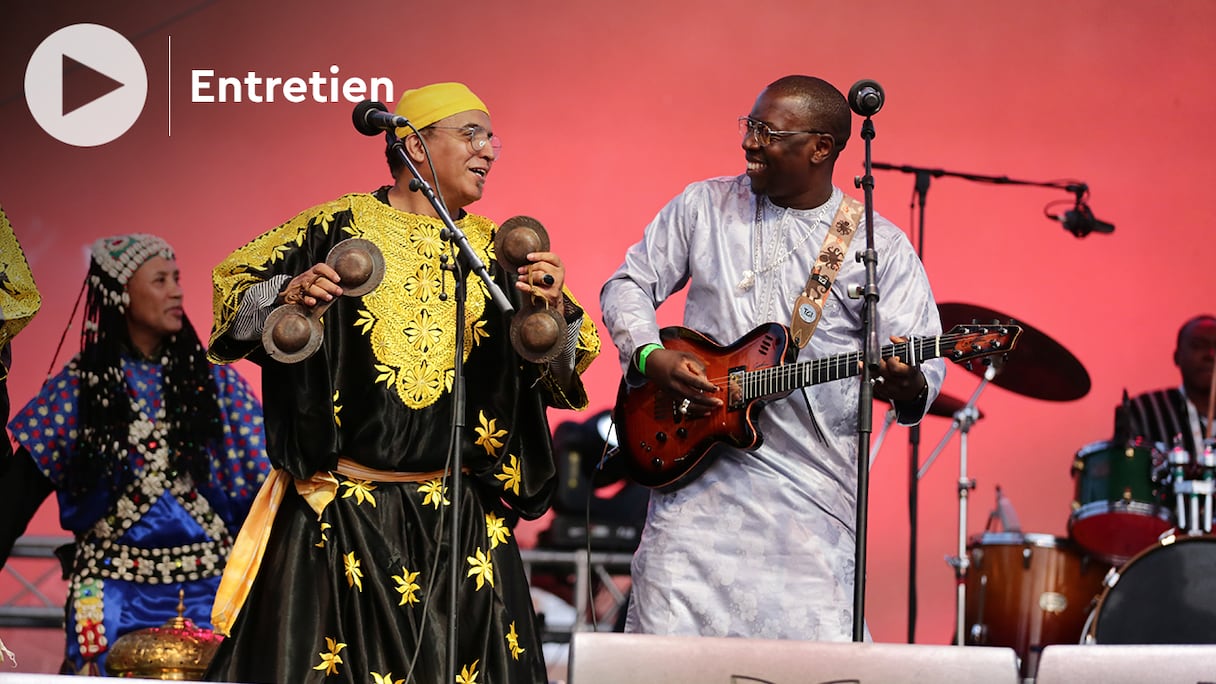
column 169, row 86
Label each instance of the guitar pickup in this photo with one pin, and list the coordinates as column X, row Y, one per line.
column 734, row 388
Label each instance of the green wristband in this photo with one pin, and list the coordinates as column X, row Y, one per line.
column 644, row 353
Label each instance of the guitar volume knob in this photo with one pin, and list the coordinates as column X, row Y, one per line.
column 660, row 437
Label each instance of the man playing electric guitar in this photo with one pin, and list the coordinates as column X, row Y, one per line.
column 761, row 542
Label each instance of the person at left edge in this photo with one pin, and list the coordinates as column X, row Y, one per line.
column 154, row 453
column 19, row 302
column 352, row 539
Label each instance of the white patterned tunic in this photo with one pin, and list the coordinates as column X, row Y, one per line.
column 762, row 543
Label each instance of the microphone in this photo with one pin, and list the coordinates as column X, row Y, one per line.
column 1006, row 514
column 372, row 117
column 1080, row 220
column 866, row 97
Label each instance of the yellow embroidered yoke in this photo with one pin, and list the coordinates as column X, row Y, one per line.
column 379, row 390
column 19, row 298
column 422, row 368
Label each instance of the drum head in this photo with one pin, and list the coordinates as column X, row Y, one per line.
column 1165, row 595
column 1018, row 538
column 1097, row 447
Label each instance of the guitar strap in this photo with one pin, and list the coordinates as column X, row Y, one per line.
column 808, row 307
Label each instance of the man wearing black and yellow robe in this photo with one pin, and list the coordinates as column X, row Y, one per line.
column 343, row 574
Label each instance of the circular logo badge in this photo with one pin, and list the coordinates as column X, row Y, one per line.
column 85, row 84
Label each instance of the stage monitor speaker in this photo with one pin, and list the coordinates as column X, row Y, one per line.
column 18, row 678
column 1119, row 664
column 611, row 658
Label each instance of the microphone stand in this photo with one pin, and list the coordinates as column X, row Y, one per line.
column 1079, row 221
column 964, row 418
column 1075, row 188
column 921, row 190
column 474, row 263
column 923, row 177
column 871, row 358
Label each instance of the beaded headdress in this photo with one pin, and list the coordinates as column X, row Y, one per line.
column 119, row 257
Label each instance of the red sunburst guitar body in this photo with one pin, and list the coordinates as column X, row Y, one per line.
column 664, row 448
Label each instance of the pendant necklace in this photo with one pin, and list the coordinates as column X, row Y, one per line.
column 771, row 261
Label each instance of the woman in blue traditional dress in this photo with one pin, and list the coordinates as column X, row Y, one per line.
column 155, row 456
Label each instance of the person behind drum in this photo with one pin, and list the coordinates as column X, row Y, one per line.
column 352, row 584
column 1177, row 413
column 761, row 544
column 155, row 456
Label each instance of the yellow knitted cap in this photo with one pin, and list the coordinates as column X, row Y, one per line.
column 428, row 104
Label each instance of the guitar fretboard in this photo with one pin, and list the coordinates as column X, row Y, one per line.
column 786, row 378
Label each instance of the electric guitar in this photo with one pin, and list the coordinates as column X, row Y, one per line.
column 665, row 448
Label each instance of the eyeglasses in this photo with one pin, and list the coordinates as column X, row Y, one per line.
column 765, row 134
column 478, row 137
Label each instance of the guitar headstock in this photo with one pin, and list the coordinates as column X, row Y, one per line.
column 977, row 340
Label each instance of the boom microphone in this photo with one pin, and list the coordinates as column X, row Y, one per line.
column 372, row 117
column 1080, row 220
column 866, row 97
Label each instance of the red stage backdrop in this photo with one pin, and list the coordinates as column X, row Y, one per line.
column 609, row 109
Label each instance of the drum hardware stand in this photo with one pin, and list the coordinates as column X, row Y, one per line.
column 887, row 421
column 979, row 631
column 1188, row 493
column 964, row 418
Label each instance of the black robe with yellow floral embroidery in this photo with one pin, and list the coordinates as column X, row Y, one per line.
column 361, row 592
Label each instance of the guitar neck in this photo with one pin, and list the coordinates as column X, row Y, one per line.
column 783, row 379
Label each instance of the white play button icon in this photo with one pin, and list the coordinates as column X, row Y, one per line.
column 85, row 85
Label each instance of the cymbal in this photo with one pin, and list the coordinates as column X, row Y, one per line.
column 1039, row 367
column 946, row 406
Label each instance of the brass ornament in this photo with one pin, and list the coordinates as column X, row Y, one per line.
column 175, row 651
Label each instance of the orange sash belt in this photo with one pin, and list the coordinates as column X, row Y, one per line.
column 246, row 556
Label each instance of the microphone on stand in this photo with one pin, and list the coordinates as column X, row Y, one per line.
column 866, row 97
column 1006, row 514
column 372, row 118
column 1123, row 430
column 1080, row 220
